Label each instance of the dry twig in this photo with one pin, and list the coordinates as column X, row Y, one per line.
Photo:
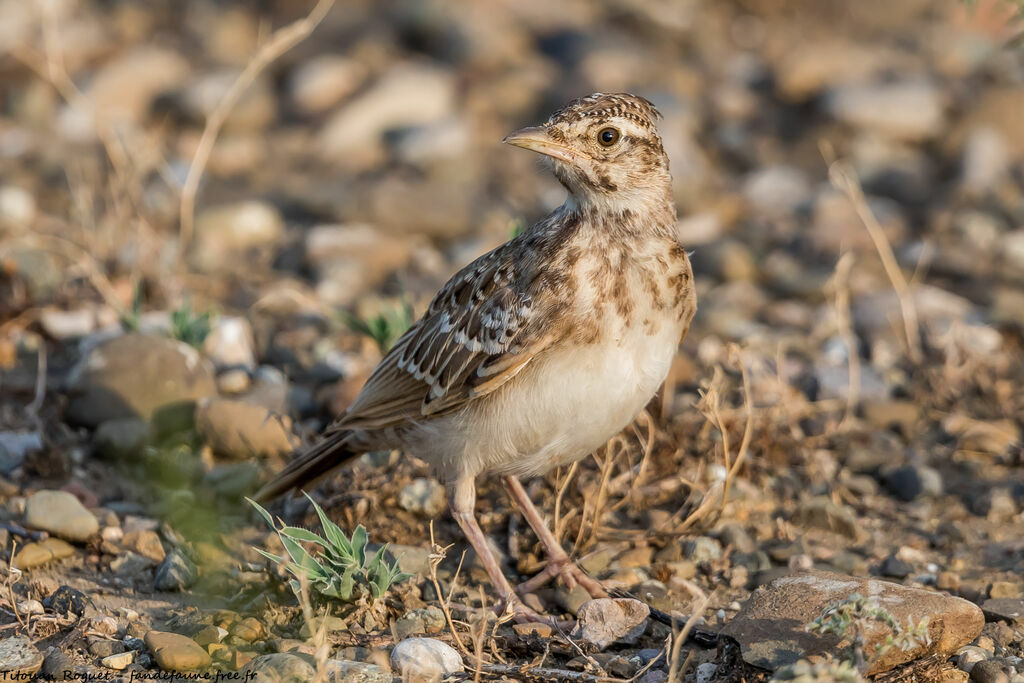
column 282, row 40
column 841, row 291
column 844, row 179
column 437, row 555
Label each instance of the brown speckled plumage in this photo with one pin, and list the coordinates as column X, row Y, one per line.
column 538, row 352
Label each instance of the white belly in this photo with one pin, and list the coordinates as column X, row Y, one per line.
column 564, row 405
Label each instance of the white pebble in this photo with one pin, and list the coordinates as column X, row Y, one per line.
column 428, row 658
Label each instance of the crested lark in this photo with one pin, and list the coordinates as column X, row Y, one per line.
column 538, row 352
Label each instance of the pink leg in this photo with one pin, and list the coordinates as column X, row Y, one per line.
column 559, row 563
column 461, row 501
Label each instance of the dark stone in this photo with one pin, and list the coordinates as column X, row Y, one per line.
column 1004, row 609
column 175, row 573
column 66, row 599
column 990, row 671
column 904, row 483
column 55, row 664
column 895, row 567
column 101, row 647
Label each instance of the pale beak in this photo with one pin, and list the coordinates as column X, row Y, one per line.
column 536, row 139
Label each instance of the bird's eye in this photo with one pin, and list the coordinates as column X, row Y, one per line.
column 608, row 136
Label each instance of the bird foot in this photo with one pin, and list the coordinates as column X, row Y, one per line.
column 571, row 574
column 521, row 612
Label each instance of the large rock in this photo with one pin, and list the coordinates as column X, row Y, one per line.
column 351, row 259
column 124, row 88
column 771, row 627
column 240, row 430
column 605, row 621
column 821, row 513
column 135, row 375
column 61, row 514
column 282, row 667
column 19, row 659
column 174, row 652
column 912, row 110
column 37, row 554
column 321, row 82
column 407, row 95
column 425, row 659
column 225, row 233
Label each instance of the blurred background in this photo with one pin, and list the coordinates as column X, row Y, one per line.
column 283, row 191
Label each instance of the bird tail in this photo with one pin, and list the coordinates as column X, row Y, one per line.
column 309, row 466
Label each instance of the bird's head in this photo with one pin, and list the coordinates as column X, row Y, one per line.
column 605, row 149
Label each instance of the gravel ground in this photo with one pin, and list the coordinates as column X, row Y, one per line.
column 844, row 417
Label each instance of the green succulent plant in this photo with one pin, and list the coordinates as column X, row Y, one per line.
column 850, row 619
column 340, row 569
column 189, row 326
column 385, row 328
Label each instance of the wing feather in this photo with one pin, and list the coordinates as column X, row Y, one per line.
column 481, row 329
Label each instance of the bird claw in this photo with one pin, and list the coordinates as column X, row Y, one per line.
column 520, row 612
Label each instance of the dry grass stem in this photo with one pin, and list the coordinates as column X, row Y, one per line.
column 710, row 407
column 675, row 669
column 560, row 522
column 841, row 291
column 844, row 179
column 280, row 41
column 437, row 555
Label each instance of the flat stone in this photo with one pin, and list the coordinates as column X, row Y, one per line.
column 240, row 658
column 636, row 557
column 145, row 542
column 241, row 430
column 131, row 564
column 174, row 652
column 604, row 621
column 321, row 82
column 119, row 661
column 19, row 659
column 38, row 554
column 56, row 663
column 61, row 514
column 425, row 658
column 230, row 231
column 771, row 625
column 989, row 671
column 822, row 513
column 105, row 647
column 904, row 111
column 210, row 634
column 406, row 95
column 136, row 375
column 282, row 667
column 1004, row 589
column 249, row 629
column 1004, row 609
